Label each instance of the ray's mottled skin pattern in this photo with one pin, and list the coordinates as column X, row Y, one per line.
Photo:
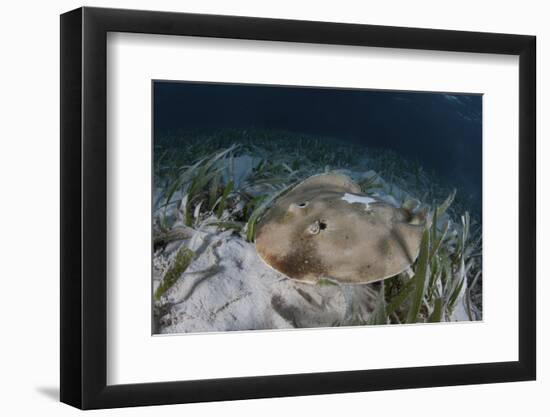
column 301, row 262
column 325, row 228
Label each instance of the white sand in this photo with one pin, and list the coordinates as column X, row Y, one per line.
column 228, row 287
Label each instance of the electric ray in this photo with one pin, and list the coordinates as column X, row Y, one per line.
column 325, row 227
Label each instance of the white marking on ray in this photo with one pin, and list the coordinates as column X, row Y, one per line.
column 354, row 198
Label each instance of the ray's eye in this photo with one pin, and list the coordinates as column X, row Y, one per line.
column 302, row 205
column 316, row 227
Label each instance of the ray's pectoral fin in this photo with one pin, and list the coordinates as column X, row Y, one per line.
column 407, row 238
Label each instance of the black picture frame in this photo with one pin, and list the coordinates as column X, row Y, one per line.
column 84, row 207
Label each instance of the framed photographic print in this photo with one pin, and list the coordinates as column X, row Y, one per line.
column 257, row 207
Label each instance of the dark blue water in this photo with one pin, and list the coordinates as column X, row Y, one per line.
column 443, row 131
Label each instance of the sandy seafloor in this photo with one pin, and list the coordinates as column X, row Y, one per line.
column 228, row 287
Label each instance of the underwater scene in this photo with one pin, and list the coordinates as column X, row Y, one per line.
column 281, row 207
